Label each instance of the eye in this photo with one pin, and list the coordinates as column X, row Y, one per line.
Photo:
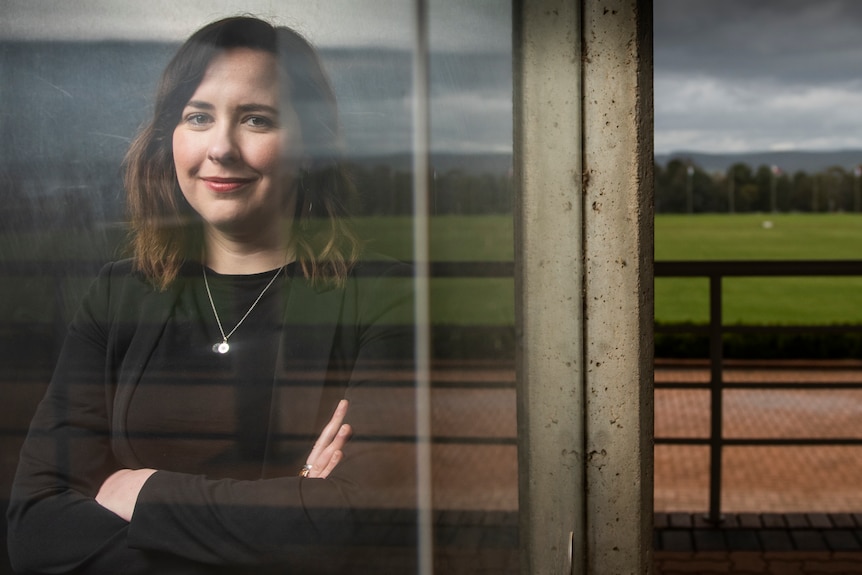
column 197, row 119
column 261, row 122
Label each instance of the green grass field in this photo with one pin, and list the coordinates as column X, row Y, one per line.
column 756, row 301
column 677, row 237
column 471, row 301
column 758, row 237
column 801, row 301
column 809, row 301
column 467, row 301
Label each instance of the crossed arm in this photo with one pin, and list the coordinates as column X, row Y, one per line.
column 119, row 492
column 70, row 509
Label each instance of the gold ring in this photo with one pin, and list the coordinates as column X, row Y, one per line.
column 306, row 469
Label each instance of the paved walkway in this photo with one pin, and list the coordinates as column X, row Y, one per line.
column 769, row 543
column 788, row 510
column 763, row 478
column 479, row 402
column 791, row 509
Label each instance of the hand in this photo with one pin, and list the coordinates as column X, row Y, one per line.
column 119, row 492
column 327, row 449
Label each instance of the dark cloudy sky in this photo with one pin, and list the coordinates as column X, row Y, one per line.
column 471, row 66
column 730, row 75
column 743, row 75
column 460, row 25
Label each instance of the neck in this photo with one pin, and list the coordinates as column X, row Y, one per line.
column 227, row 255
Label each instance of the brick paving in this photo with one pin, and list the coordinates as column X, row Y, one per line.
column 748, row 543
column 479, row 402
column 788, row 509
column 762, row 478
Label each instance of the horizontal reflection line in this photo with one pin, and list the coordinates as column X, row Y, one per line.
column 443, row 440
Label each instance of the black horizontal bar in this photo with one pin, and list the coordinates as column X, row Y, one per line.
column 757, row 268
column 784, row 385
column 789, row 441
column 440, row 269
column 682, row 385
column 762, row 441
column 436, row 439
column 705, row 329
column 445, row 440
column 681, row 441
column 475, row 269
column 472, row 384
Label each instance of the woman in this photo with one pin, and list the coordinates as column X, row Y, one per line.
column 176, row 434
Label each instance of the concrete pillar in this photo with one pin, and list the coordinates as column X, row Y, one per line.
column 618, row 246
column 584, row 220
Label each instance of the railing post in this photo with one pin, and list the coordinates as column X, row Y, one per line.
column 716, row 404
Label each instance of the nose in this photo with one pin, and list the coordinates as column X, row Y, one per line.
column 223, row 146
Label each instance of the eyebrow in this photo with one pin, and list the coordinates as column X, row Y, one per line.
column 244, row 108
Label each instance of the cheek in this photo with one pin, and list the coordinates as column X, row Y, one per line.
column 181, row 152
column 178, row 151
column 265, row 157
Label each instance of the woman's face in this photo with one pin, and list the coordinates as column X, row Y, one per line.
column 229, row 145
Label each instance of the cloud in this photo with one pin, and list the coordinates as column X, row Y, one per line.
column 711, row 115
column 729, row 74
column 740, row 75
column 785, row 39
column 473, row 26
column 469, row 121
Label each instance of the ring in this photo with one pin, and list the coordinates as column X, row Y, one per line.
column 306, row 469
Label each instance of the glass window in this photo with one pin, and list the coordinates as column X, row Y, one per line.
column 78, row 84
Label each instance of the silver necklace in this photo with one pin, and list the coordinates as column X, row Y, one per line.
column 223, row 347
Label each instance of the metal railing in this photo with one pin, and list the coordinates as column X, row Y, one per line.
column 716, row 271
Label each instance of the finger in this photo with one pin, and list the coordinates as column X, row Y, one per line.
column 324, row 463
column 329, row 432
column 333, row 462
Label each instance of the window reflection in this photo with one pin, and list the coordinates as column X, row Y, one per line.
column 75, row 96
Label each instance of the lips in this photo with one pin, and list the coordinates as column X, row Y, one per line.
column 225, row 185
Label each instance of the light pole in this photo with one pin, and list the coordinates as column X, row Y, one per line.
column 815, row 191
column 689, row 189
column 731, row 195
column 773, row 188
column 857, row 196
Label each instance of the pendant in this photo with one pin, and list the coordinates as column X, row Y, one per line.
column 221, row 348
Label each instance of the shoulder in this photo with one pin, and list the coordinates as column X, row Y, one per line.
column 376, row 275
column 372, row 265
column 383, row 289
column 119, row 287
column 119, row 277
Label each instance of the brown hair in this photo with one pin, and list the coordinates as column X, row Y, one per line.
column 166, row 231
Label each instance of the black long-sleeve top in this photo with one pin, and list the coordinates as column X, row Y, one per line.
column 138, row 385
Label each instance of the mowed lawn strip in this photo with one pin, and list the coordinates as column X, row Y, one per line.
column 758, row 301
column 751, row 301
column 490, row 301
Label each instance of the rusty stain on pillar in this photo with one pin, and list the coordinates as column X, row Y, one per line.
column 583, row 160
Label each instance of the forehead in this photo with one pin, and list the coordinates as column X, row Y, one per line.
column 240, row 71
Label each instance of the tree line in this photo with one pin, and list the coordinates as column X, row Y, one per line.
column 31, row 195
column 682, row 187
column 384, row 190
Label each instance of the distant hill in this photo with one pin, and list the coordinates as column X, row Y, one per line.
column 788, row 162
column 471, row 164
